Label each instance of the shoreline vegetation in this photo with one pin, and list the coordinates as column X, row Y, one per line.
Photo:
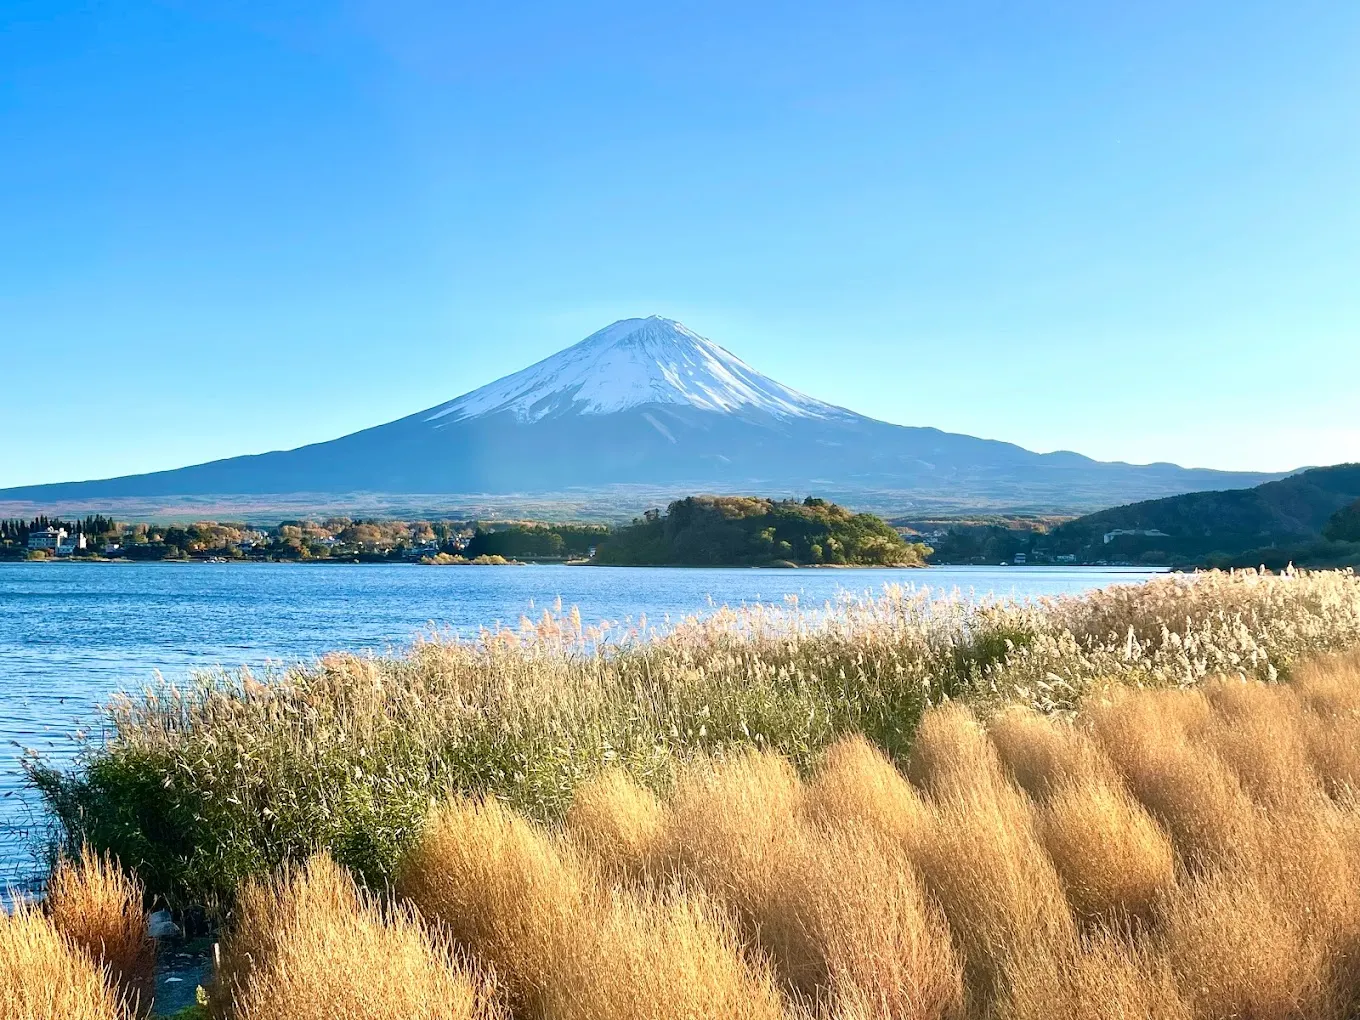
column 1139, row 801
column 697, row 531
column 207, row 783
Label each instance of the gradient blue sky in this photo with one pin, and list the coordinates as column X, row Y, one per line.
column 1128, row 229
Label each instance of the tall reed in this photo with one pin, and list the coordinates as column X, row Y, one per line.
column 1156, row 740
column 44, row 975
column 346, row 753
column 503, row 889
column 856, row 785
column 618, row 823
column 98, row 906
column 310, row 945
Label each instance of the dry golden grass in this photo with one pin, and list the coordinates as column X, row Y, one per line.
column 728, row 825
column 45, row 976
column 952, row 754
column 731, row 831
column 98, row 906
column 985, row 865
column 1155, row 739
column 1106, row 977
column 824, row 887
column 1113, row 858
column 981, row 855
column 566, row 946
column 504, row 889
column 312, row 946
column 1326, row 689
column 662, row 956
column 880, row 948
column 617, row 823
column 1115, row 861
column 1042, row 752
column 268, row 912
column 1259, row 734
column 1237, row 953
column 857, row 785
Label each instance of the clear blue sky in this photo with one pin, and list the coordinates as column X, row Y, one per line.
column 1128, row 229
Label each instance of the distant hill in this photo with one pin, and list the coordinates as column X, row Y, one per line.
column 642, row 403
column 1285, row 519
column 1304, row 519
column 1292, row 509
column 1344, row 525
column 754, row 532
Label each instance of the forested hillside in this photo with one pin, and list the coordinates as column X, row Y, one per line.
column 1310, row 518
column 749, row 531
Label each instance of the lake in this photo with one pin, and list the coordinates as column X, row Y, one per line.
column 73, row 633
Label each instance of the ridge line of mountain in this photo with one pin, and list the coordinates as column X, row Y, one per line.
column 649, row 402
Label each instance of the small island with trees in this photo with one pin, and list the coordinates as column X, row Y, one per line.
column 711, row 531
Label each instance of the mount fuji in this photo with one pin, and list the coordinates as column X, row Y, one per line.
column 650, row 403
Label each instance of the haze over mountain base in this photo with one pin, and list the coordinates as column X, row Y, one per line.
column 642, row 406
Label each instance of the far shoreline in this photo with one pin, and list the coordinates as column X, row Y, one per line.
column 339, row 562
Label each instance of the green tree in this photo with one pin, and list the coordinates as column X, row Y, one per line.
column 1344, row 525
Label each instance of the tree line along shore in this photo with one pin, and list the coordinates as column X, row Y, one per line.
column 1310, row 519
column 696, row 531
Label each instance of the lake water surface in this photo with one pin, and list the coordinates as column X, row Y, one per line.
column 73, row 633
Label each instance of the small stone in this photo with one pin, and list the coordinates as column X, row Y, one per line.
column 160, row 925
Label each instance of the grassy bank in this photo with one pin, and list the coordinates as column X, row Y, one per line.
column 1168, row 854
column 199, row 787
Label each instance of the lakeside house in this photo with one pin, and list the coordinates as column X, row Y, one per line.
column 70, row 545
column 56, row 540
column 46, row 539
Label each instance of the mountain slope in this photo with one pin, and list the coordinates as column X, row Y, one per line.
column 1200, row 524
column 628, row 364
column 649, row 402
column 1295, row 507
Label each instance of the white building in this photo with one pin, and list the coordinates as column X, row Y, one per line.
column 71, row 544
column 47, row 538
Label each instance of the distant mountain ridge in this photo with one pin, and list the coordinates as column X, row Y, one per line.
column 649, row 402
column 1309, row 519
column 1199, row 525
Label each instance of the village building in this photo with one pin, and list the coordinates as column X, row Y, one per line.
column 71, row 544
column 46, row 538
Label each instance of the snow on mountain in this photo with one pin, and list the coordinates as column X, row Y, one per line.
column 632, row 362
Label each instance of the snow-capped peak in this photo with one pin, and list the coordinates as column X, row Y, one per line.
column 633, row 362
